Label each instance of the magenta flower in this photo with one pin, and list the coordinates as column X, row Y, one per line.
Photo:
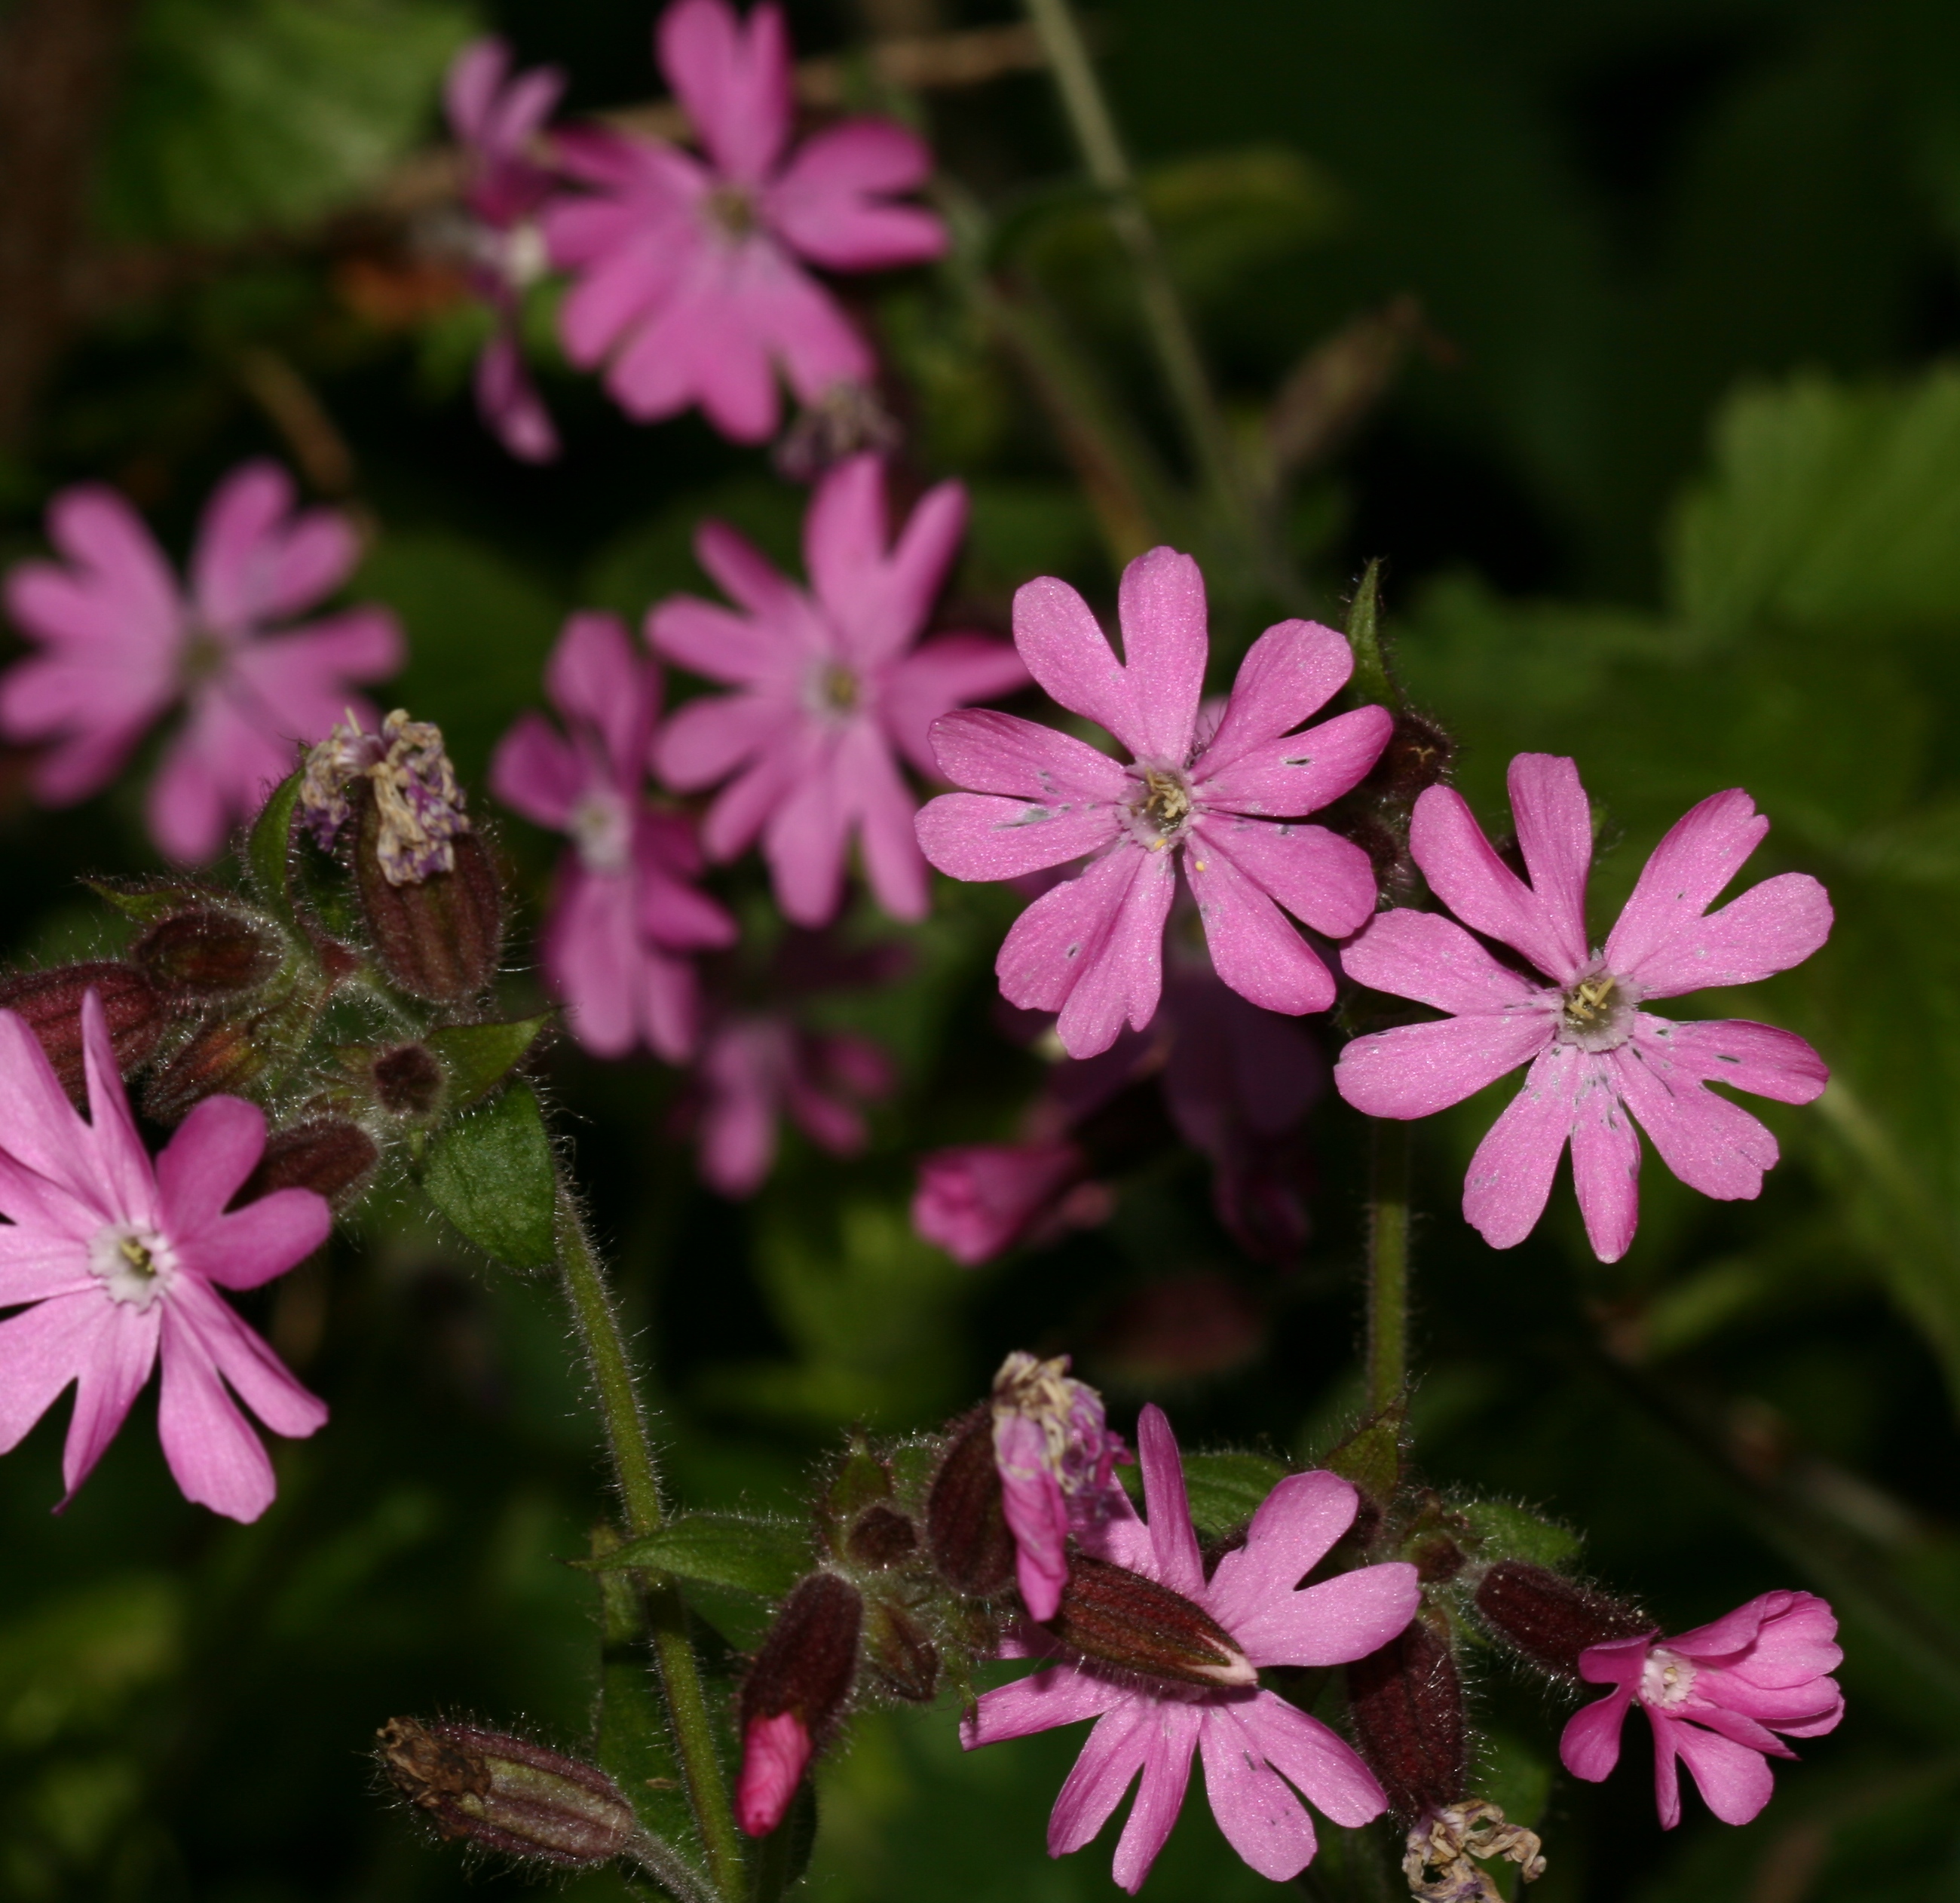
column 1715, row 1697
column 1253, row 1743
column 976, row 1199
column 1223, row 798
column 122, row 1260
column 1599, row 1063
column 1056, row 1460
column 626, row 915
column 833, row 685
column 121, row 645
column 691, row 273
column 496, row 120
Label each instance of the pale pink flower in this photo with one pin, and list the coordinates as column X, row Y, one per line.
column 692, row 271
column 834, row 686
column 1716, row 1698
column 122, row 1260
column 975, row 1199
column 1254, row 1743
column 626, row 916
column 1599, row 1063
column 121, row 645
column 498, row 119
column 1225, row 799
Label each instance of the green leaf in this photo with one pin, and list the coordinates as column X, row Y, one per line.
column 751, row 1555
column 1371, row 1455
column 269, row 847
column 1511, row 1532
column 490, row 1174
column 1225, row 1489
column 479, row 1057
column 634, row 1745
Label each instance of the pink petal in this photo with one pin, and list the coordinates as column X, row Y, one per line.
column 634, row 264
column 536, row 772
column 735, row 84
column 1261, row 1818
column 1345, row 1618
column 670, row 1006
column 801, row 325
column 1605, row 1168
column 470, row 87
column 708, row 739
column 1796, row 1641
column 185, row 808
column 591, row 956
column 122, row 1165
column 669, row 911
column 887, row 618
column 258, row 1377
column 945, row 672
column 844, row 537
column 1737, row 1726
column 1301, row 773
column 214, row 1455
column 1172, row 1539
column 749, row 650
column 594, row 676
column 1037, row 1515
column 745, row 804
column 1618, row 1661
column 1510, row 1179
column 1416, row 1070
column 117, row 1364
column 775, row 1753
column 1432, row 959
column 1770, row 928
column 1590, row 1746
column 1290, row 672
column 823, row 203
column 38, row 1265
column 1738, row 1631
column 1757, row 1058
column 1160, row 1795
column 1711, row 1144
column 1060, row 1695
column 96, row 529
column 1068, row 655
column 39, row 1208
column 1667, row 1771
column 1315, row 1759
column 989, row 752
column 1296, row 1524
column 1324, row 881
column 1734, row 1781
column 1685, row 875
column 884, row 809
column 38, row 1127
column 263, row 1239
column 1254, row 948
column 250, row 565
column 748, row 578
column 1475, row 884
column 977, row 836
column 738, row 1126
column 43, row 1349
column 206, row 1161
column 1160, row 608
column 1555, row 826
column 1111, row 1755
column 804, row 843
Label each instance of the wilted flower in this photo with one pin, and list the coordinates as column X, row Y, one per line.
column 691, row 273
column 1715, row 1697
column 121, row 644
column 833, row 685
column 122, row 1260
column 1253, row 1742
column 1599, row 1063
column 1224, row 798
column 626, row 913
column 414, row 788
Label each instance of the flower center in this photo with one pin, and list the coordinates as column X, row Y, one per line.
column 204, row 657
column 731, row 208
column 1666, row 1679
column 602, row 828
column 136, row 1263
column 839, row 688
column 1165, row 804
column 1595, row 1013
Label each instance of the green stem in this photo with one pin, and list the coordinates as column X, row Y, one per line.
column 1388, row 1263
column 598, row 1324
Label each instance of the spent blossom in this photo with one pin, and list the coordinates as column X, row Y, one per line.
column 122, row 644
column 1716, row 1698
column 417, row 800
column 626, row 914
column 1257, row 1747
column 1600, row 1064
column 833, row 686
column 117, row 1261
column 1224, row 797
column 691, row 272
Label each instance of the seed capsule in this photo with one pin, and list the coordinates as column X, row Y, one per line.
column 1110, row 1613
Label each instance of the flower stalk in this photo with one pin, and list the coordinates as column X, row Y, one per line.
column 1388, row 1263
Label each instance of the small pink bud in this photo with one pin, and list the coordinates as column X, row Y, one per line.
column 775, row 1753
column 1110, row 1613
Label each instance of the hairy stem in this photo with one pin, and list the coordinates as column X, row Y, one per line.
column 638, row 1481
column 1388, row 1262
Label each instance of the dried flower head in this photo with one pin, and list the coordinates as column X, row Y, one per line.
column 1438, row 1860
column 414, row 787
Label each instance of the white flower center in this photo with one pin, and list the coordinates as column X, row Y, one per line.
column 1666, row 1679
column 732, row 209
column 602, row 829
column 525, row 258
column 136, row 1263
column 835, row 690
column 1160, row 805
column 1596, row 1012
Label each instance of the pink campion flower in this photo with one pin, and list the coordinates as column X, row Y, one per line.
column 626, row 916
column 1716, row 1698
column 1253, row 1743
column 975, row 1200
column 690, row 271
column 123, row 1259
column 1224, row 798
column 833, row 686
column 121, row 645
column 1599, row 1062
column 1057, row 1459
column 497, row 119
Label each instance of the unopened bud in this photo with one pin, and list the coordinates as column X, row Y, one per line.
column 804, row 1671
column 208, row 952
column 900, row 1652
column 438, row 938
column 966, row 1523
column 224, row 1058
column 881, row 1537
column 50, row 1002
column 408, row 1079
column 1417, row 756
column 1549, row 1619
column 1110, row 1613
column 1407, row 1702
column 327, row 1155
column 507, row 1793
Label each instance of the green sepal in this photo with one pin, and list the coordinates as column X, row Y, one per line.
column 477, row 1058
column 490, row 1173
column 1371, row 1455
column 146, row 900
column 269, row 854
column 1505, row 1532
column 763, row 1556
column 862, row 1478
column 1371, row 680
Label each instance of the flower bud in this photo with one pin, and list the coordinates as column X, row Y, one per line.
column 1550, row 1619
column 408, row 1079
column 327, row 1155
column 50, row 1002
column 1110, row 1613
column 507, row 1793
column 803, row 1673
column 1417, row 756
column 900, row 1652
column 977, row 1199
column 1407, row 1702
column 208, row 952
column 224, row 1058
column 881, row 1537
column 966, row 1524
column 438, row 937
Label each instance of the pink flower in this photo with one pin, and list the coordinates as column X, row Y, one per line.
column 625, row 915
column 1599, row 1063
column 1253, row 1742
column 691, row 273
column 121, row 645
column 1056, row 1460
column 496, row 120
column 976, row 1199
column 833, row 685
column 1715, row 1697
column 123, row 1260
column 775, row 1752
column 1223, row 799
